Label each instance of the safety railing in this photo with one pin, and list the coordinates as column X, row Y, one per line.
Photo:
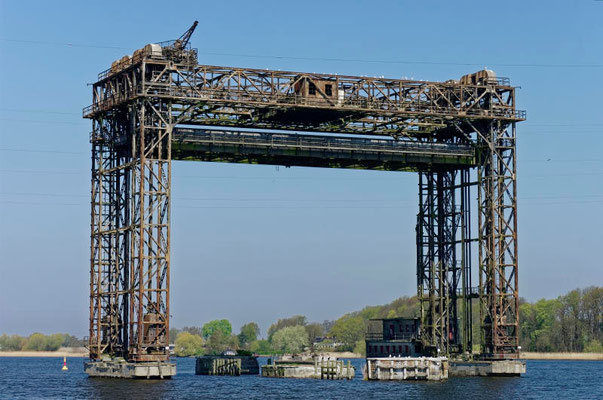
column 316, row 142
column 405, row 336
column 259, row 99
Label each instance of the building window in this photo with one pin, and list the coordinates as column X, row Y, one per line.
column 406, row 349
column 400, row 349
column 329, row 90
column 311, row 88
column 381, row 349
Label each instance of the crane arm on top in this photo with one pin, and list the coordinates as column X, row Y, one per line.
column 183, row 40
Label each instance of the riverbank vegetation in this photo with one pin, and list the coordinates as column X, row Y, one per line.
column 570, row 323
column 38, row 342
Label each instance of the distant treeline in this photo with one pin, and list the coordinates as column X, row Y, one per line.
column 569, row 323
column 38, row 342
column 289, row 335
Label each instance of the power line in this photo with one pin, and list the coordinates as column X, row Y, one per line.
column 33, row 171
column 250, row 199
column 65, row 44
column 42, row 151
column 407, row 62
column 42, row 122
column 329, row 59
column 562, row 124
column 293, row 178
column 27, row 203
column 40, row 111
column 343, row 200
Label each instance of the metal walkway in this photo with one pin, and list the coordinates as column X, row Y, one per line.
column 290, row 149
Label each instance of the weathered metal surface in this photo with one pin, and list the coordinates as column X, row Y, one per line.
column 137, row 107
column 444, row 259
column 316, row 151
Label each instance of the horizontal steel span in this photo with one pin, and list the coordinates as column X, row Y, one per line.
column 254, row 98
column 290, row 149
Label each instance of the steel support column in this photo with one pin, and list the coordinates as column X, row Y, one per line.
column 150, row 227
column 130, row 238
column 444, row 260
column 109, row 240
column 499, row 299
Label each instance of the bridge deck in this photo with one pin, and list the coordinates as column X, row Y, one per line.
column 326, row 151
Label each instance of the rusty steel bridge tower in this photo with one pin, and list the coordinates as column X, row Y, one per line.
column 458, row 135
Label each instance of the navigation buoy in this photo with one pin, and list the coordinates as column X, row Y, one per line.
column 64, row 364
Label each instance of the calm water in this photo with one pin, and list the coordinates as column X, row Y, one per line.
column 43, row 378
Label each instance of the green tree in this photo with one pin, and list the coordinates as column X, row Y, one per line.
column 249, row 333
column 594, row 346
column 348, row 330
column 296, row 320
column 174, row 334
column 54, row 341
column 12, row 342
column 71, row 341
column 314, row 330
column 290, row 339
column 360, row 348
column 187, row 345
column 222, row 325
column 261, row 347
column 592, row 314
column 219, row 342
column 36, row 342
column 570, row 324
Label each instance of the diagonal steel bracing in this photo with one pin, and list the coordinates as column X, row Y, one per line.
column 444, row 260
column 498, row 274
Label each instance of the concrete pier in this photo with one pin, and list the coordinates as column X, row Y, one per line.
column 227, row 365
column 313, row 368
column 488, row 368
column 129, row 370
column 407, row 368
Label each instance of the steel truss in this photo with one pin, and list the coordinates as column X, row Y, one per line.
column 131, row 181
column 136, row 109
column 498, row 278
column 444, row 260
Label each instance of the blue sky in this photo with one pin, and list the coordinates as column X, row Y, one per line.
column 257, row 243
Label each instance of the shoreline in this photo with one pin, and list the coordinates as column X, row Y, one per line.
column 59, row 354
column 523, row 356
